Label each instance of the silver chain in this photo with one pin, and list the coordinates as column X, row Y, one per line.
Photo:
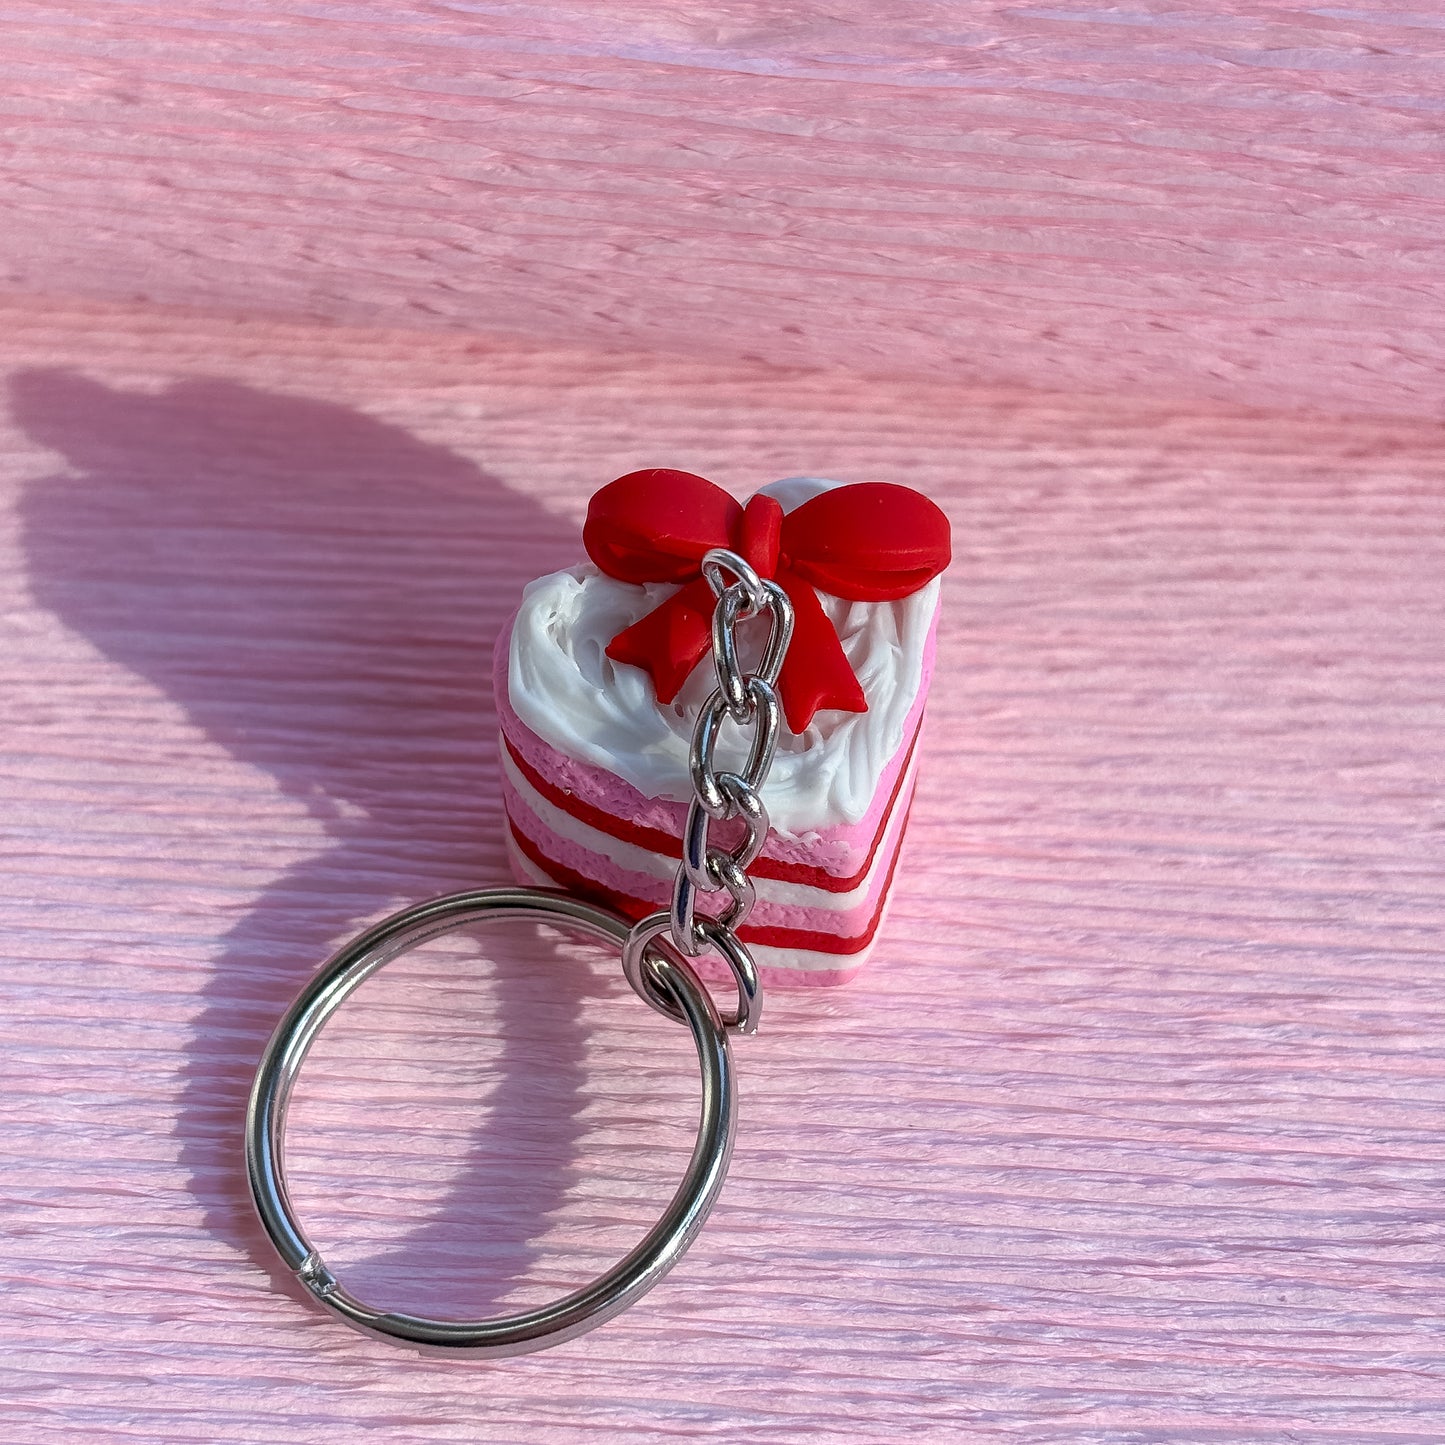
column 751, row 701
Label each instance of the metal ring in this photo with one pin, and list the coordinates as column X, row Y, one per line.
column 767, row 715
column 650, row 946
column 681, row 918
column 732, row 681
column 780, row 633
column 719, row 559
column 745, row 803
column 576, row 1313
column 684, row 921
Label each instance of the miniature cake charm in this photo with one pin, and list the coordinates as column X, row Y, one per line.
column 598, row 683
column 739, row 820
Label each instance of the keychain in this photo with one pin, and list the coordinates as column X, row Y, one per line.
column 818, row 604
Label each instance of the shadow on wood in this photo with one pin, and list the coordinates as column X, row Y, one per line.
column 288, row 571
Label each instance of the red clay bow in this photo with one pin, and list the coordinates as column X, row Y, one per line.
column 872, row 542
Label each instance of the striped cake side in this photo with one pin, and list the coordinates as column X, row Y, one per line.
column 796, row 927
column 834, row 855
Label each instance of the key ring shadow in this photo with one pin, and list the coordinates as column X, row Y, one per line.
column 287, row 570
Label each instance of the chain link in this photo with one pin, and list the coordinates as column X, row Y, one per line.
column 708, row 868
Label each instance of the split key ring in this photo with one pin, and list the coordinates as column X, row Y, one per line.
column 576, row 1313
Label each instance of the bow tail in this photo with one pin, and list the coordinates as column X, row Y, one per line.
column 670, row 640
column 816, row 673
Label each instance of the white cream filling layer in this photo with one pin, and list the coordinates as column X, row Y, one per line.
column 566, row 689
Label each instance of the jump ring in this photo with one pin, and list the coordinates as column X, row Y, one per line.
column 650, row 941
column 719, row 559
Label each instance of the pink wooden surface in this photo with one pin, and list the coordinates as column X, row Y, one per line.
column 1238, row 200
column 1133, row 1131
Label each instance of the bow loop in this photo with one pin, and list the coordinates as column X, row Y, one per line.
column 760, row 536
column 656, row 525
column 873, row 542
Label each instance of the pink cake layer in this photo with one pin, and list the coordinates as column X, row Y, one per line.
column 639, row 880
column 790, row 966
column 834, row 855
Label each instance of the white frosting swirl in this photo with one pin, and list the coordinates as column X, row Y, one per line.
column 574, row 697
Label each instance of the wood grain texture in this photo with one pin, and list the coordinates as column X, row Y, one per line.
column 1133, row 1130
column 1238, row 201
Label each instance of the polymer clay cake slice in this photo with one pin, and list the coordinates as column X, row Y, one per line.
column 602, row 673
